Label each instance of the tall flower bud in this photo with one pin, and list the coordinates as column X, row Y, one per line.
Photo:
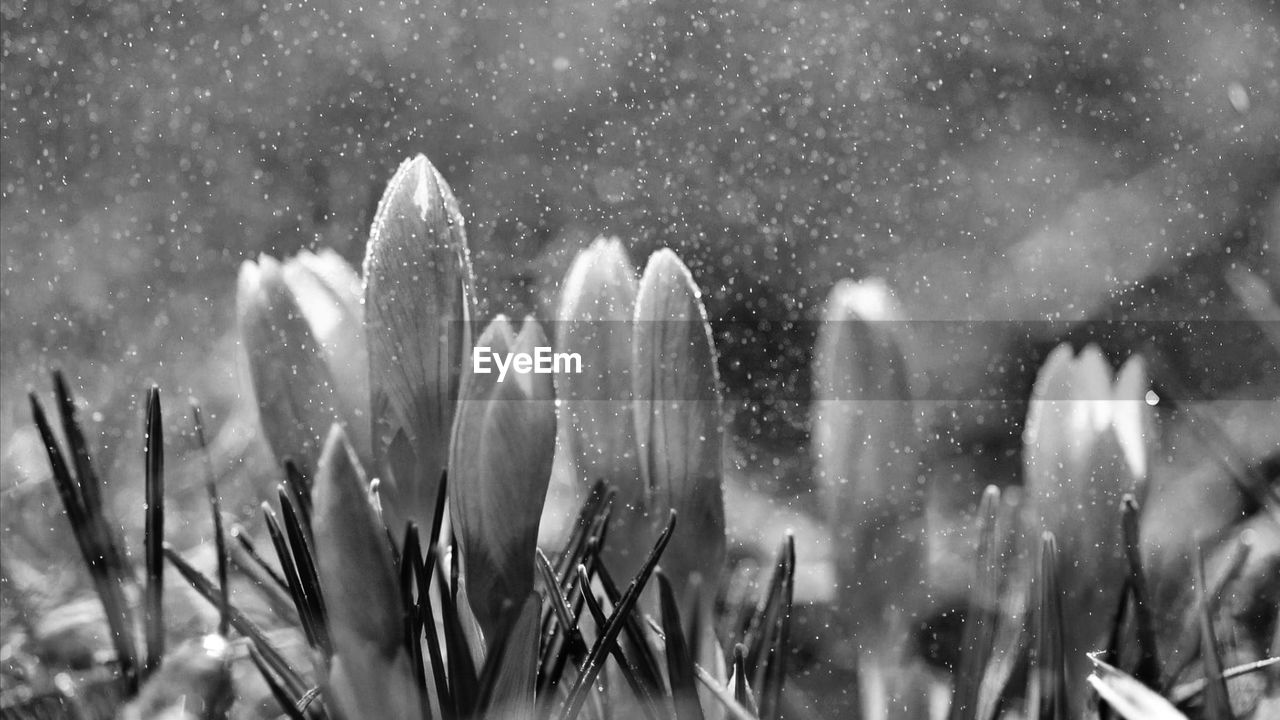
column 597, row 302
column 679, row 425
column 329, row 292
column 503, row 445
column 370, row 673
column 295, row 390
column 865, row 446
column 418, row 301
column 1084, row 447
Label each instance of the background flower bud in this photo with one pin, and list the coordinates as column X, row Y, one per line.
column 865, row 449
column 679, row 427
column 1084, row 447
column 296, row 396
column 418, row 301
column 503, row 445
column 597, row 302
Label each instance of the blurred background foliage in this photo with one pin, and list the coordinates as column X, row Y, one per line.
column 994, row 160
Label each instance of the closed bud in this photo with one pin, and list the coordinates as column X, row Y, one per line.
column 866, row 446
column 1084, row 448
column 418, row 300
column 295, row 390
column 503, row 445
column 594, row 315
column 679, row 426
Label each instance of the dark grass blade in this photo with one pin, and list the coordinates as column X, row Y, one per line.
column 1189, row 648
column 1217, row 701
column 281, row 695
column 299, row 490
column 90, row 485
column 763, row 620
column 594, row 662
column 464, row 683
column 1147, row 670
column 684, row 691
column 241, row 622
column 95, row 548
column 638, row 647
column 296, row 592
column 437, row 514
column 1050, row 666
column 426, row 615
column 568, row 622
column 648, row 703
column 412, row 617
column 1185, row 692
column 983, row 612
column 304, row 560
column 250, row 552
column 772, row 672
column 154, row 533
column 219, row 535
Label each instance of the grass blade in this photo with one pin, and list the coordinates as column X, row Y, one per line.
column 594, row 662
column 1049, row 678
column 95, row 548
column 296, row 593
column 300, row 543
column 154, row 533
column 215, row 507
column 648, row 703
column 464, row 683
column 1217, row 701
column 1147, row 670
column 278, row 691
column 684, row 693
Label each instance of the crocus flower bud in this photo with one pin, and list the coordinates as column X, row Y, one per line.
column 329, row 293
column 1084, row 447
column 865, row 445
column 295, row 390
column 503, row 444
column 597, row 301
column 417, row 276
column 370, row 673
column 679, row 426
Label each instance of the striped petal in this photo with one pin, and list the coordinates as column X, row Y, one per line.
column 418, row 301
column 504, row 441
column 679, row 426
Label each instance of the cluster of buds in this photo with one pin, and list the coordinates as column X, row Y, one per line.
column 383, row 381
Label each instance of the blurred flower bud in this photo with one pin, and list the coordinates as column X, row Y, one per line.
column 369, row 675
column 1084, row 447
column 679, row 428
column 295, row 390
column 597, row 301
column 503, row 444
column 865, row 445
column 329, row 293
column 417, row 306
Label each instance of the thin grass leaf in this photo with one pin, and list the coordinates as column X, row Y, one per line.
column 648, row 703
column 771, row 673
column 299, row 487
column 568, row 622
column 680, row 675
column 983, row 611
column 90, row 538
column 464, row 683
column 1217, row 699
column 594, row 662
column 290, row 570
column 154, row 533
column 308, row 576
column 1129, row 697
column 239, row 621
column 1190, row 647
column 413, row 557
column 637, row 648
column 278, row 691
column 215, row 508
column 1147, row 670
column 1185, row 692
column 1049, row 679
column 412, row 617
